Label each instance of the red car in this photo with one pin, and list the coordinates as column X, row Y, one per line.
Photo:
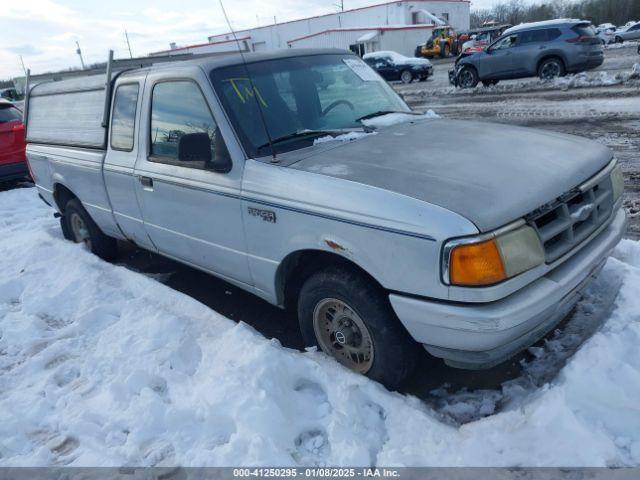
column 13, row 164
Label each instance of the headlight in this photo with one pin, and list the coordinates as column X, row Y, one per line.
column 617, row 182
column 491, row 258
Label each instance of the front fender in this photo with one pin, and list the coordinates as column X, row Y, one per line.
column 395, row 239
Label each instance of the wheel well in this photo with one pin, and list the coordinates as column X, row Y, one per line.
column 470, row 67
column 548, row 57
column 298, row 266
column 62, row 195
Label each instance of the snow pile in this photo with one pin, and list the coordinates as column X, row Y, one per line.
column 583, row 79
column 100, row 365
column 396, row 118
column 627, row 44
column 345, row 137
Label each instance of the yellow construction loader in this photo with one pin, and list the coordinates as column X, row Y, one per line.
column 442, row 43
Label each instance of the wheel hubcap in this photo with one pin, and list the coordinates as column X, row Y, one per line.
column 550, row 70
column 466, row 79
column 80, row 230
column 406, row 77
column 342, row 334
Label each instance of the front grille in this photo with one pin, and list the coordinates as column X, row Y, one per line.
column 566, row 223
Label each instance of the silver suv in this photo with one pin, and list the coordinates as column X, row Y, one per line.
column 546, row 49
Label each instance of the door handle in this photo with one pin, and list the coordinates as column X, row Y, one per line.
column 147, row 182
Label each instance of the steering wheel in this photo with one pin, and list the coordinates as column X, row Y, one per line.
column 335, row 104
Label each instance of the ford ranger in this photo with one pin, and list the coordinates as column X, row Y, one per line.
column 302, row 177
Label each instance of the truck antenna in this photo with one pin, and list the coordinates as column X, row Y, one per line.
column 251, row 84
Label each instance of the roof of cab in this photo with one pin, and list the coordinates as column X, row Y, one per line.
column 216, row 61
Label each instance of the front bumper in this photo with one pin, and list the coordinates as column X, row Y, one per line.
column 13, row 171
column 483, row 335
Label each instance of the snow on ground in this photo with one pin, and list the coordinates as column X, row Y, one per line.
column 100, row 365
column 617, row 46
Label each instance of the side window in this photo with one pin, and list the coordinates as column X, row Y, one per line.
column 124, row 117
column 178, row 108
column 506, row 42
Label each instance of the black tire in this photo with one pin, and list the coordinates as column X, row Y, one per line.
column 394, row 352
column 406, row 76
column 551, row 68
column 619, row 40
column 445, row 50
column 100, row 244
column 468, row 77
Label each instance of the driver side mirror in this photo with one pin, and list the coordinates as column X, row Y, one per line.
column 196, row 147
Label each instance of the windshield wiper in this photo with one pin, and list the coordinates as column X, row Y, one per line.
column 299, row 134
column 379, row 113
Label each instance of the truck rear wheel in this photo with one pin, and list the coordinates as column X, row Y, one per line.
column 79, row 227
column 349, row 318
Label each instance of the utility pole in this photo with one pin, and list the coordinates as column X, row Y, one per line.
column 340, row 5
column 79, row 52
column 126, row 35
column 23, row 68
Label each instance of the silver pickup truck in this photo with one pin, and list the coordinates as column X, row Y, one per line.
column 302, row 177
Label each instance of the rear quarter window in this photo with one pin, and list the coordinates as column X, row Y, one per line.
column 10, row 114
column 542, row 35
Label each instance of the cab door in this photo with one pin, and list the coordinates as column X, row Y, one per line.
column 191, row 212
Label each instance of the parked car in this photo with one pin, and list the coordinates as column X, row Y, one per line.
column 631, row 32
column 547, row 49
column 393, row 66
column 10, row 94
column 484, row 37
column 384, row 237
column 13, row 164
column 606, row 35
column 606, row 26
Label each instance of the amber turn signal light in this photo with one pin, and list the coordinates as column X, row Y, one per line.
column 477, row 264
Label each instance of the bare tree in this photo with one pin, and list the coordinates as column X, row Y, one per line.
column 514, row 12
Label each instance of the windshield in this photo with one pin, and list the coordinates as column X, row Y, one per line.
column 300, row 94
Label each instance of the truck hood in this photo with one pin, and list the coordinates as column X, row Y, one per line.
column 491, row 174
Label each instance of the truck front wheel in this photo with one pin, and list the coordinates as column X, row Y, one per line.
column 349, row 318
column 79, row 227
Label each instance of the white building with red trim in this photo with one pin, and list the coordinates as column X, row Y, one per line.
column 397, row 26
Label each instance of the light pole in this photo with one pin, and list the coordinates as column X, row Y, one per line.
column 79, row 52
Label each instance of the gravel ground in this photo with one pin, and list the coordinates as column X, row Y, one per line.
column 603, row 105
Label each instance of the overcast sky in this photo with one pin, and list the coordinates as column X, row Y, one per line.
column 44, row 31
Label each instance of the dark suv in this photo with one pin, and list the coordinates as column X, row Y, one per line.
column 546, row 49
